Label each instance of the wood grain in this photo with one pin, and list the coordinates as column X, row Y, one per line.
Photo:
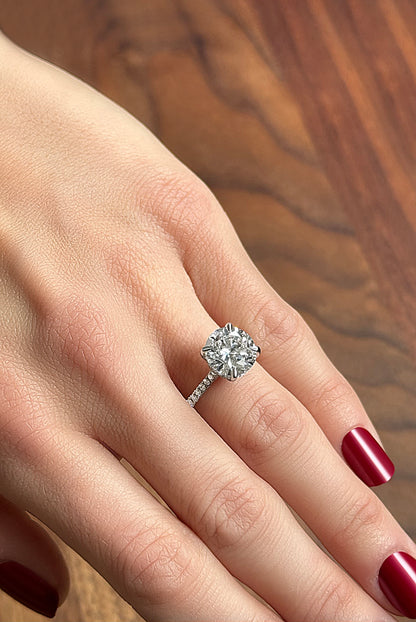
column 300, row 116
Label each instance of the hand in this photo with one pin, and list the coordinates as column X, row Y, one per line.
column 116, row 263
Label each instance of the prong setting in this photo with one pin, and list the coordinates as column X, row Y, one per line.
column 230, row 352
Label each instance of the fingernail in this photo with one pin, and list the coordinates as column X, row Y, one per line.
column 366, row 457
column 397, row 579
column 28, row 588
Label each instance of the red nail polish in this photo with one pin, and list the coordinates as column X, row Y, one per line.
column 366, row 457
column 28, row 588
column 397, row 579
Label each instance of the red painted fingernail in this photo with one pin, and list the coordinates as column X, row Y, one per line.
column 28, row 588
column 397, row 579
column 366, row 457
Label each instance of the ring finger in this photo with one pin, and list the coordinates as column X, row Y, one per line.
column 291, row 352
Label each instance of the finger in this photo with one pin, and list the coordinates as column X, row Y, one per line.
column 143, row 417
column 279, row 439
column 156, row 563
column 73, row 340
column 32, row 569
column 234, row 290
column 241, row 519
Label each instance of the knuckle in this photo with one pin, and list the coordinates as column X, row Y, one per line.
column 360, row 514
column 236, row 512
column 333, row 392
column 156, row 565
column 26, row 430
column 331, row 602
column 277, row 323
column 271, row 425
column 127, row 264
column 140, row 275
column 182, row 204
column 74, row 330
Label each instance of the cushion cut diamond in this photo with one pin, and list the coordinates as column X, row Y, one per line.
column 230, row 352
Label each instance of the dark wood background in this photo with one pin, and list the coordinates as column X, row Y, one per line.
column 301, row 117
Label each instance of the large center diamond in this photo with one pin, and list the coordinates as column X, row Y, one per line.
column 230, row 352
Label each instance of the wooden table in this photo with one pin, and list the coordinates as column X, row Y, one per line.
column 301, row 117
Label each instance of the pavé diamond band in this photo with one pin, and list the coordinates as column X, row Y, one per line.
column 230, row 352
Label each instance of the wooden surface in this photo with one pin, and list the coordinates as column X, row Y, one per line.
column 301, row 116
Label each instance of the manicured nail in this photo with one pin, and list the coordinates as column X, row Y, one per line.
column 366, row 457
column 397, row 579
column 28, row 588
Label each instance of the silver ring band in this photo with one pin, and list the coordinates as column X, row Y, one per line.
column 202, row 387
column 230, row 352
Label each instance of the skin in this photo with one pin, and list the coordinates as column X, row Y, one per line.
column 116, row 263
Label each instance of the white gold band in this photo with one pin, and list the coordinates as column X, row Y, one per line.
column 202, row 387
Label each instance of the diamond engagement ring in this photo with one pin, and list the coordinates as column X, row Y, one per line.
column 230, row 352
